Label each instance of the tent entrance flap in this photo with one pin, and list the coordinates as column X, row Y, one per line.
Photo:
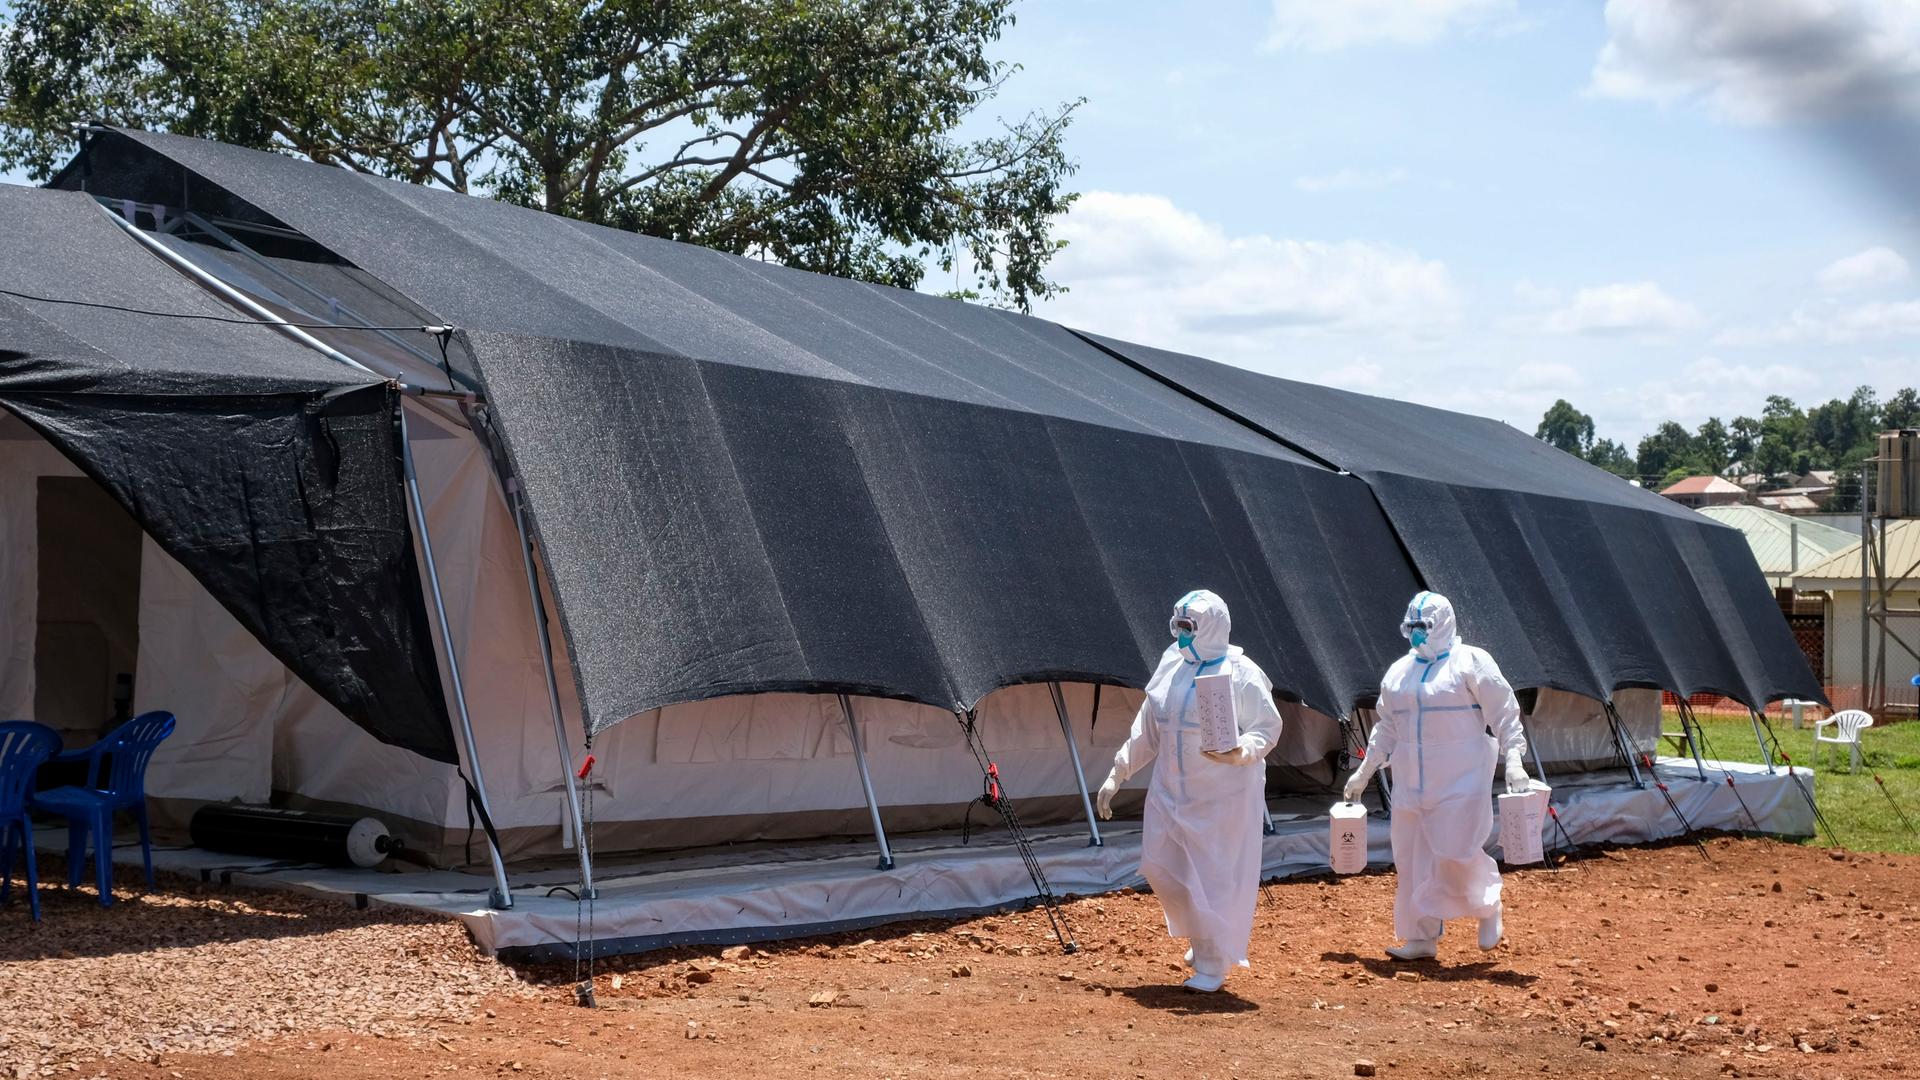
column 269, row 473
column 87, row 623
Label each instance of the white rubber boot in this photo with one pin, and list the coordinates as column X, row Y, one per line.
column 1415, row 950
column 1490, row 932
column 1205, row 984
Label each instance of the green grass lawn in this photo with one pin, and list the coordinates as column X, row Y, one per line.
column 1853, row 804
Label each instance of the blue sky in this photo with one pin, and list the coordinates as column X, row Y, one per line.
column 1658, row 209
column 1640, row 206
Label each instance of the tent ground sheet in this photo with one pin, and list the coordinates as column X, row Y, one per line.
column 751, row 893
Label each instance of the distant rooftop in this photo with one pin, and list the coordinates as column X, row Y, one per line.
column 1703, row 485
column 1771, row 535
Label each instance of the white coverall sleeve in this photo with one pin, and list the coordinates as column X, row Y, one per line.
column 1259, row 718
column 1497, row 703
column 1381, row 742
column 1143, row 742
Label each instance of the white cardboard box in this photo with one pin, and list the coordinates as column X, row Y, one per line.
column 1213, row 704
column 1522, row 820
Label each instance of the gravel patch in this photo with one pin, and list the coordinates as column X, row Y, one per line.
column 191, row 969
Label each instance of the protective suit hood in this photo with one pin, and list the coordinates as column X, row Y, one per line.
column 1433, row 613
column 1212, row 625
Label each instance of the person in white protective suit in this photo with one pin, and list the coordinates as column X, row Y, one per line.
column 1200, row 840
column 1446, row 717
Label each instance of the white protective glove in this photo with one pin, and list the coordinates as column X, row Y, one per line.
column 1103, row 802
column 1241, row 754
column 1356, row 785
column 1517, row 783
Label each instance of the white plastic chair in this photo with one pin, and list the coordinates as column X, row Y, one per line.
column 1849, row 723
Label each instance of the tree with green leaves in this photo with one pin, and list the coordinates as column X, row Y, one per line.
column 1612, row 457
column 1781, row 446
column 826, row 135
column 1902, row 410
column 1669, row 448
column 1712, row 446
column 1743, row 436
column 1566, row 428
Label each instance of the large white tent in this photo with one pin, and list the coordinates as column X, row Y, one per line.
column 803, row 549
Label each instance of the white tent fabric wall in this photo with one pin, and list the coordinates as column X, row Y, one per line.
column 765, row 767
column 227, row 694
column 24, row 458
column 1572, row 732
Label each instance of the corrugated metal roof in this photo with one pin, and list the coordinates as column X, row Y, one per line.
column 1702, row 485
column 1770, row 535
column 1902, row 552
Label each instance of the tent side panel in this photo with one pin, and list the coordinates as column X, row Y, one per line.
column 289, row 509
column 714, row 530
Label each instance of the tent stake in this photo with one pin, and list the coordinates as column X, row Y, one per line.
column 1079, row 772
column 866, row 784
column 587, row 891
column 502, row 897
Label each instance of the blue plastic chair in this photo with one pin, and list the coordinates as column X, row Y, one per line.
column 24, row 746
column 89, row 810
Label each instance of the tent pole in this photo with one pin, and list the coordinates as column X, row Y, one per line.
column 1619, row 728
column 1691, row 725
column 1766, row 755
column 233, row 296
column 502, row 897
column 1539, row 767
column 1079, row 772
column 587, row 891
column 866, row 783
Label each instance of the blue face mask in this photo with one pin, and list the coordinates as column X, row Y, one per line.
column 1184, row 640
column 1419, row 638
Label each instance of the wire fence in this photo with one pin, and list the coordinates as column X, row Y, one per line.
column 1902, row 703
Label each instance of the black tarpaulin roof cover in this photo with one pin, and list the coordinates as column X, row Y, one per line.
column 750, row 478
column 1573, row 577
column 269, row 472
column 746, row 478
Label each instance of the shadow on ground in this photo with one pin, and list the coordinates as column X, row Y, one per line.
column 1181, row 1001
column 1486, row 971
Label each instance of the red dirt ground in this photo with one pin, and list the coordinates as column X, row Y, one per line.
column 1774, row 960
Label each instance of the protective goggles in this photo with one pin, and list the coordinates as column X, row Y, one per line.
column 1182, row 624
column 1410, row 625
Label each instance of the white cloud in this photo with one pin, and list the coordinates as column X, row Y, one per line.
column 1626, row 308
column 1711, row 371
column 1362, row 375
column 1325, row 25
column 1874, row 266
column 1890, row 372
column 1831, row 323
column 1706, row 387
column 1141, row 268
column 1764, row 61
column 1533, row 294
column 1545, row 376
column 1351, row 180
